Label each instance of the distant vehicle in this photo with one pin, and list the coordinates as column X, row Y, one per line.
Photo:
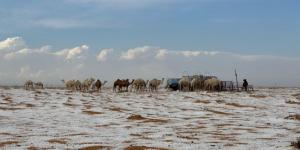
column 173, row 83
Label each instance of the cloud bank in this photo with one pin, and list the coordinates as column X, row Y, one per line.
column 20, row 62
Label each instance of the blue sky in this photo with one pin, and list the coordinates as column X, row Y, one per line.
column 242, row 27
column 246, row 26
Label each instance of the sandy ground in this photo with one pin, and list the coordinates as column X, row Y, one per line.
column 58, row 119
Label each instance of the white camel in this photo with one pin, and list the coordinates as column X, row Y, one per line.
column 86, row 84
column 70, row 84
column 154, row 84
column 212, row 84
column 197, row 84
column 184, row 84
column 139, row 85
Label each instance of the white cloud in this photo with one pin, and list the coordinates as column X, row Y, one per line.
column 12, row 43
column 102, row 56
column 26, row 51
column 197, row 53
column 134, row 53
column 72, row 53
column 161, row 54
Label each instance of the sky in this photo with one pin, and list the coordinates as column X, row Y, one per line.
column 50, row 40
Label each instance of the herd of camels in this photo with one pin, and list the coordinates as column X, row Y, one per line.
column 124, row 85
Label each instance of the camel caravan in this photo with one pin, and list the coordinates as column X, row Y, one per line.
column 184, row 84
column 85, row 86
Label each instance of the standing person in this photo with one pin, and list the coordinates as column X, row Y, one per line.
column 245, row 85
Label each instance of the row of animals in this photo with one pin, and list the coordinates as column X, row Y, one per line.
column 181, row 84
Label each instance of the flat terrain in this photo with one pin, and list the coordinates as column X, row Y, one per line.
column 58, row 119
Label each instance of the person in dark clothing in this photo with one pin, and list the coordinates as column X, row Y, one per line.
column 245, row 85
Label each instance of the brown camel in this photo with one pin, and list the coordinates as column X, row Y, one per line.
column 98, row 84
column 121, row 84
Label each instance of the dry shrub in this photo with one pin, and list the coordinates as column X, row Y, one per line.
column 89, row 112
column 32, row 148
column 10, row 108
column 239, row 105
column 3, row 144
column 59, row 141
column 7, row 98
column 136, row 117
column 147, row 120
column 294, row 117
column 156, row 121
column 143, row 148
column 97, row 147
column 202, row 101
column 219, row 112
column 117, row 109
column 28, row 105
column 258, row 96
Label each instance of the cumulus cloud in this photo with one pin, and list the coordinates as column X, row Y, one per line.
column 26, row 51
column 134, row 53
column 161, row 54
column 72, row 53
column 102, row 56
column 12, row 43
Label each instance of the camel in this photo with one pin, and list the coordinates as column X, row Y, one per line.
column 118, row 83
column 70, row 84
column 139, row 84
column 212, row 84
column 78, row 85
column 98, row 84
column 28, row 85
column 127, row 84
column 184, row 84
column 154, row 83
column 197, row 84
column 122, row 84
column 39, row 85
column 86, row 84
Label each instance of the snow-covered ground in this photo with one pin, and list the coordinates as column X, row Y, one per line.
column 58, row 119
